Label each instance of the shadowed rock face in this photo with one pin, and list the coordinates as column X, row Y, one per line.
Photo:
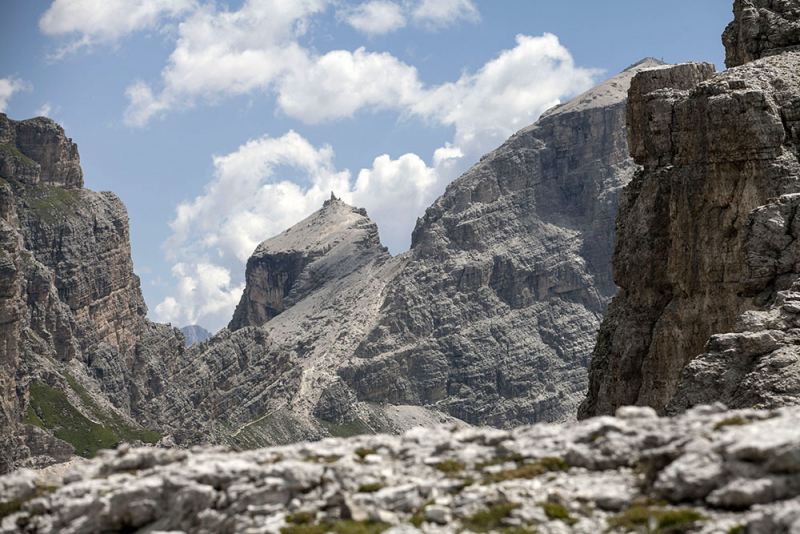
column 713, row 148
column 73, row 317
column 756, row 364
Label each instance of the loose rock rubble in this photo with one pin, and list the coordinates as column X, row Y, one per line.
column 707, row 471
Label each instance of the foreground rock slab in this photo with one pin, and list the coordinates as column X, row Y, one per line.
column 708, row 470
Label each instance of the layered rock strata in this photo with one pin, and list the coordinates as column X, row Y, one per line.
column 287, row 268
column 79, row 358
column 493, row 316
column 757, row 363
column 713, row 146
column 488, row 318
column 708, row 470
column 273, row 378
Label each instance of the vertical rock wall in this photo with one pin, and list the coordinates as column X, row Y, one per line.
column 713, row 147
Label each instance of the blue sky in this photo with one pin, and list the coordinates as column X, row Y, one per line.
column 221, row 124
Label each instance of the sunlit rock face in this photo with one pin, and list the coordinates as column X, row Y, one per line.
column 690, row 257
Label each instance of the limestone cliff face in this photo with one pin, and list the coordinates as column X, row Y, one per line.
column 756, row 364
column 713, row 147
column 73, row 317
column 493, row 317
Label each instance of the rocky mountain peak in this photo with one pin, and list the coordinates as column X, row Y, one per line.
column 761, row 28
column 607, row 93
column 292, row 261
column 38, row 151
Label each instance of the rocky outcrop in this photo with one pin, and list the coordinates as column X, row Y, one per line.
column 489, row 318
column 195, row 334
column 708, row 470
column 713, row 148
column 761, row 28
column 288, row 267
column 494, row 314
column 36, row 151
column 79, row 358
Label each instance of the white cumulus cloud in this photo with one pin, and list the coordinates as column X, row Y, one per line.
column 102, row 21
column 44, row 111
column 203, row 290
column 435, row 14
column 506, row 94
column 270, row 183
column 9, row 86
column 378, row 17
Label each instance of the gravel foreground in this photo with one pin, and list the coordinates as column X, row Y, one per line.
column 709, row 470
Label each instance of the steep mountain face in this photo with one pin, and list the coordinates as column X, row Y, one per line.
column 690, row 258
column 488, row 318
column 74, row 362
column 494, row 314
column 195, row 334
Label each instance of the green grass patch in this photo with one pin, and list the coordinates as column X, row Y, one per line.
column 301, row 518
column 738, row 529
column 32, row 419
column 363, row 453
column 12, row 507
column 370, row 488
column 417, row 520
column 531, row 470
column 674, row 519
column 112, row 421
column 555, row 511
column 730, row 421
column 65, row 422
column 640, row 519
column 490, row 518
column 356, row 427
column 450, row 467
column 339, row 527
column 52, row 204
column 8, row 150
column 322, row 459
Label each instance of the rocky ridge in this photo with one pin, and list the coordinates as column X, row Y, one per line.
column 690, row 257
column 312, row 294
column 706, row 471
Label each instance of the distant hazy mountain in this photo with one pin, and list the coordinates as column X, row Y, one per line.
column 195, row 334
